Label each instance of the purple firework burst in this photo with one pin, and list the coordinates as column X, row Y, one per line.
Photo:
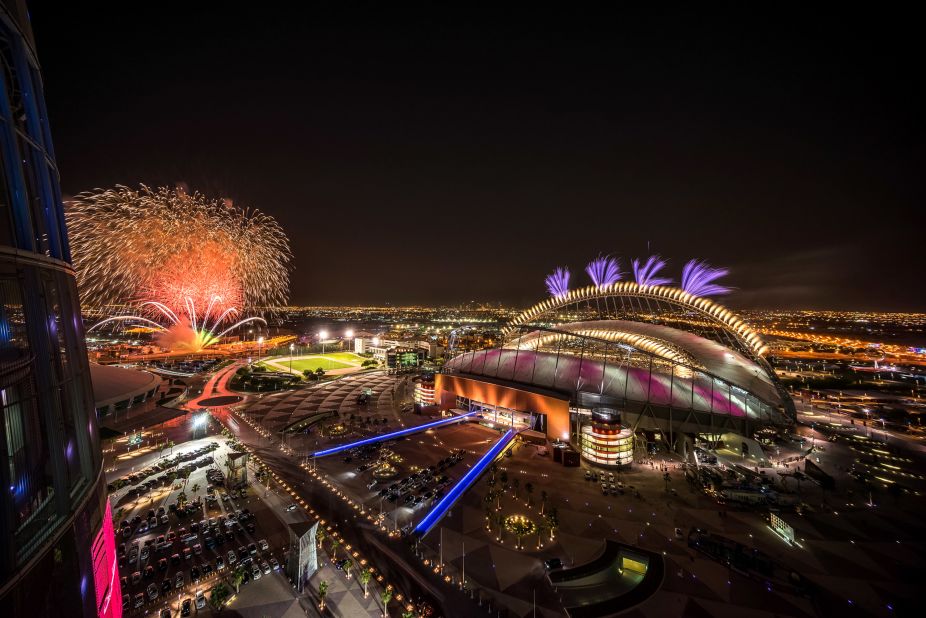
column 604, row 270
column 558, row 282
column 645, row 274
column 698, row 279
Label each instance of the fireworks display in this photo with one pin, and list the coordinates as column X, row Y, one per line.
column 558, row 282
column 698, row 279
column 181, row 259
column 645, row 273
column 604, row 271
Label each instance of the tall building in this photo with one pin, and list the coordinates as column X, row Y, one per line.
column 57, row 554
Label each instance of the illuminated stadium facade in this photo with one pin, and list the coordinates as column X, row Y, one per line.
column 598, row 366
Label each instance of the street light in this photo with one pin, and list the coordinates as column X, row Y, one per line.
column 260, row 344
column 322, row 335
column 292, row 347
column 349, row 335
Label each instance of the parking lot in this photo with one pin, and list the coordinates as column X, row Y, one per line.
column 178, row 540
column 403, row 478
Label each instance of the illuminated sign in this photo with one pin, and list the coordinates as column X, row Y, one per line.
column 106, row 570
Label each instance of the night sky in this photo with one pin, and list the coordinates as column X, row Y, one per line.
column 439, row 158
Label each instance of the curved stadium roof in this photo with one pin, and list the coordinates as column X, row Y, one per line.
column 667, row 367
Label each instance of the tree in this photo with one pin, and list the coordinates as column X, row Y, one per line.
column 543, row 500
column 516, row 485
column 309, row 374
column 181, row 499
column 529, row 488
column 195, row 487
column 335, row 543
column 385, row 596
column 322, row 593
column 503, row 477
column 237, row 577
column 364, row 576
column 219, row 596
column 348, row 566
column 320, row 536
column 320, row 372
column 552, row 521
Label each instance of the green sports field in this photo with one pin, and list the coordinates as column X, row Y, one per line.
column 335, row 360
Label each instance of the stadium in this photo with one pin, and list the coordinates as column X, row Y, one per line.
column 617, row 368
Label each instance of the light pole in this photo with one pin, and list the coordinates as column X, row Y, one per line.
column 292, row 347
column 322, row 335
column 260, row 345
column 349, row 335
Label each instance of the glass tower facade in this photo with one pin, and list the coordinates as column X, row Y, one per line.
column 56, row 543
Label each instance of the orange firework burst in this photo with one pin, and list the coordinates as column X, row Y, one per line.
column 178, row 258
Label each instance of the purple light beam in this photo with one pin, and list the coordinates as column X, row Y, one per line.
column 604, row 270
column 698, row 279
column 558, row 282
column 646, row 274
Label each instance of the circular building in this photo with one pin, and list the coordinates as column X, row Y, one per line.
column 600, row 365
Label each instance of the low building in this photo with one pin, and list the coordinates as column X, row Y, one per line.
column 119, row 392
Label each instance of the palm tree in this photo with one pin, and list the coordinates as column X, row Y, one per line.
column 322, row 593
column 543, row 500
column 385, row 596
column 516, row 485
column 529, row 488
column 503, row 477
column 348, row 566
column 542, row 526
column 335, row 543
column 181, row 499
column 237, row 577
column 552, row 520
column 364, row 578
column 219, row 595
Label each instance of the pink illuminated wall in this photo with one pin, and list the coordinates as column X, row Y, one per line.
column 106, row 570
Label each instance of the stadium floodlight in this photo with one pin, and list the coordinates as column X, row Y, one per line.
column 349, row 333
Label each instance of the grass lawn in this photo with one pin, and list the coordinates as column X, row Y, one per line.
column 314, row 362
column 335, row 360
column 348, row 357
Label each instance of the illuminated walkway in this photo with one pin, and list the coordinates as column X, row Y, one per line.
column 429, row 521
column 393, row 435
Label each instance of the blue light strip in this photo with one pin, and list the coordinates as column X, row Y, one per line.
column 390, row 436
column 429, row 521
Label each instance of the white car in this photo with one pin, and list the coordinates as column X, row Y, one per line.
column 200, row 599
column 264, row 546
column 291, row 508
column 232, row 558
column 255, row 573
